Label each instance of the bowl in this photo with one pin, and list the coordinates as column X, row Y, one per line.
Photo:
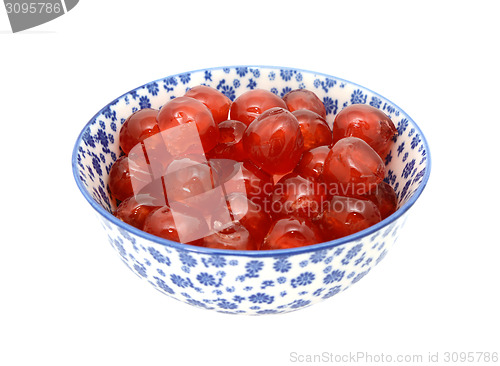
column 249, row 282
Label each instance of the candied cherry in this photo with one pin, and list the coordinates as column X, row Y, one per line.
column 312, row 162
column 149, row 161
column 295, row 195
column 385, row 198
column 258, row 184
column 185, row 110
column 120, row 183
column 304, row 99
column 274, row 142
column 234, row 237
column 367, row 123
column 133, row 212
column 191, row 181
column 245, row 178
column 352, row 167
column 251, row 215
column 291, row 232
column 138, row 127
column 251, row 104
column 344, row 216
column 230, row 144
column 217, row 102
column 314, row 128
column 182, row 224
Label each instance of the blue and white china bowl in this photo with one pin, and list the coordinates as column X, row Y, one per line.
column 249, row 282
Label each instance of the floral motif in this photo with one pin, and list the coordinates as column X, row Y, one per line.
column 185, row 78
column 286, row 74
column 253, row 267
column 206, row 279
column 358, row 97
column 282, row 265
column 303, row 279
column 331, row 106
column 241, row 71
column 334, row 276
column 187, row 259
column 260, row 298
column 352, row 253
column 318, row 256
column 144, row 102
column 153, row 88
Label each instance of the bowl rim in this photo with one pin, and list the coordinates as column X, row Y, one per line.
column 252, row 253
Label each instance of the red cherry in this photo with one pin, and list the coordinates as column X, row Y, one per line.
column 133, row 213
column 352, row 167
column 138, row 127
column 149, row 161
column 244, row 178
column 185, row 110
column 182, row 224
column 120, row 184
column 274, row 158
column 344, row 216
column 314, row 128
column 193, row 183
column 385, row 198
column 251, row 104
column 295, row 195
column 274, row 142
column 304, row 99
column 258, row 183
column 368, row 123
column 230, row 144
column 312, row 162
column 251, row 215
column 217, row 102
column 291, row 232
column 234, row 237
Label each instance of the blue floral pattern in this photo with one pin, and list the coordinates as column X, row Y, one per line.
column 239, row 283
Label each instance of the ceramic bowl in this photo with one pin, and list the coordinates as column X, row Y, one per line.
column 249, row 282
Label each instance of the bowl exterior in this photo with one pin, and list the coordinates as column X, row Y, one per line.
column 249, row 282
column 240, row 284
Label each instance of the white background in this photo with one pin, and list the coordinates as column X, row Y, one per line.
column 66, row 298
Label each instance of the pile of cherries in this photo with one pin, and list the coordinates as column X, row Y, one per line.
column 261, row 173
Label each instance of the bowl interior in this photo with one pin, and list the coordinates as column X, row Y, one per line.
column 97, row 147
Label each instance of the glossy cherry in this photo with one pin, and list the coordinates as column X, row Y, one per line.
column 119, row 182
column 192, row 182
column 274, row 142
column 304, row 99
column 244, row 178
column 262, row 180
column 182, row 224
column 352, row 167
column 251, row 215
column 314, row 128
column 344, row 216
column 312, row 163
column 134, row 213
column 295, row 195
column 217, row 102
column 367, row 123
column 230, row 144
column 233, row 237
column 258, row 184
column 185, row 110
column 385, row 198
column 138, row 127
column 251, row 104
column 291, row 232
